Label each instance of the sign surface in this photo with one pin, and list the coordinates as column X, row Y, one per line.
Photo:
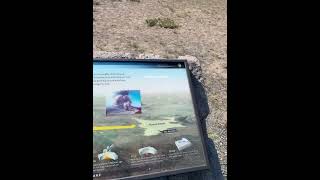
column 144, row 120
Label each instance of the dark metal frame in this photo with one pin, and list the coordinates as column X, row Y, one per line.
column 179, row 171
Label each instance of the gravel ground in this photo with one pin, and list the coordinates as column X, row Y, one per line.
column 120, row 26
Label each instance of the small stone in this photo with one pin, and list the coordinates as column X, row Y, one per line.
column 148, row 56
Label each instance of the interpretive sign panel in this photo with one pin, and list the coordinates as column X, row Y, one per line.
column 145, row 121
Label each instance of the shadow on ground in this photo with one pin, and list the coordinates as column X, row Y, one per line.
column 215, row 172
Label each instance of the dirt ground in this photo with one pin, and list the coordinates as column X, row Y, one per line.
column 120, row 26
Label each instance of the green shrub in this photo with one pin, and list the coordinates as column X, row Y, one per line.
column 152, row 22
column 162, row 22
column 167, row 23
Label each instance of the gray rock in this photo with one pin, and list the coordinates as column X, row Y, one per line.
column 113, row 55
column 149, row 56
column 194, row 66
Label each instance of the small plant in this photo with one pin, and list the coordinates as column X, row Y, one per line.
column 152, row 22
column 167, row 23
column 162, row 22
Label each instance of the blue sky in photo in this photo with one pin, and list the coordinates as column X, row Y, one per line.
column 151, row 80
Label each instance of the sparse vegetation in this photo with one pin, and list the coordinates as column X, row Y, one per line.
column 167, row 23
column 152, row 22
column 162, row 22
